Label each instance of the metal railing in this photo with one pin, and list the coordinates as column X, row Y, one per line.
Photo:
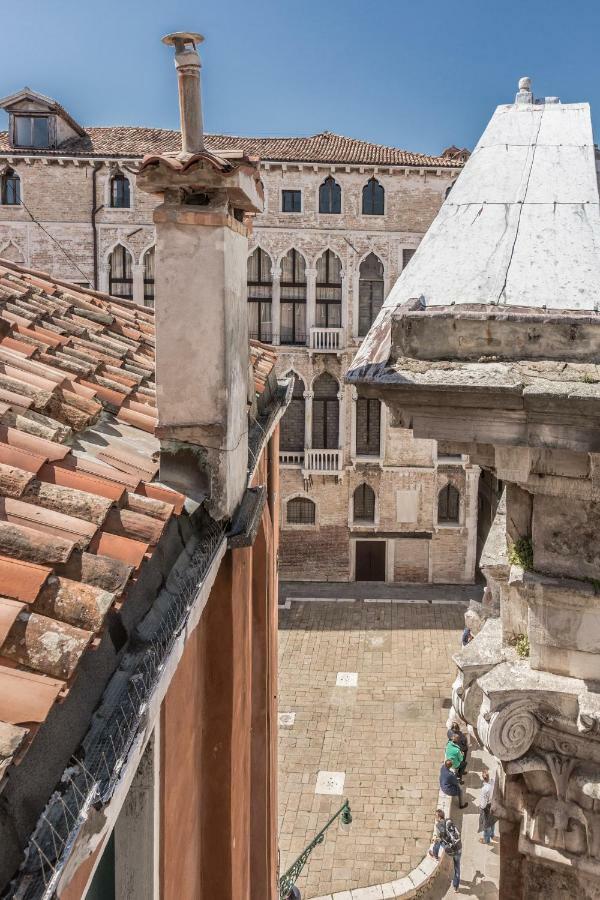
column 289, row 878
column 326, row 340
column 319, row 461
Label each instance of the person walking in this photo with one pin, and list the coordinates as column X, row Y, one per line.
column 459, row 737
column 487, row 821
column 449, row 783
column 448, row 839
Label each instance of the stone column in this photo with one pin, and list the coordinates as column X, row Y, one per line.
column 276, row 305
column 311, row 298
column 138, row 283
column 344, row 315
column 308, row 413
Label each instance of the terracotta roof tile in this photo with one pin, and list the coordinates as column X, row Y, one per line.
column 324, row 147
column 26, row 696
column 21, row 580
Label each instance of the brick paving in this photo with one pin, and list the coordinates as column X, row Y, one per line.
column 386, row 734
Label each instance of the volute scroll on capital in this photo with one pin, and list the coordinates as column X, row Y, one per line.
column 508, row 733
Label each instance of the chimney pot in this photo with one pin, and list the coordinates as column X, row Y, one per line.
column 188, row 65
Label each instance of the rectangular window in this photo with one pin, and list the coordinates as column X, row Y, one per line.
column 32, row 131
column 407, row 255
column 291, row 201
column 368, row 415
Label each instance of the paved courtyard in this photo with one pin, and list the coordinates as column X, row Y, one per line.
column 363, row 700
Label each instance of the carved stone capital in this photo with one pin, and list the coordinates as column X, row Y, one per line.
column 508, row 732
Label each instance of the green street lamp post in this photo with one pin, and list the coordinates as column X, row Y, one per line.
column 287, row 882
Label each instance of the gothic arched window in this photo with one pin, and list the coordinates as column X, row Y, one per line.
column 448, row 504
column 373, row 198
column 120, row 275
column 120, row 194
column 330, row 196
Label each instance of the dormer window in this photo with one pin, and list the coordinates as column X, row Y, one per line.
column 120, row 197
column 10, row 188
column 32, row 131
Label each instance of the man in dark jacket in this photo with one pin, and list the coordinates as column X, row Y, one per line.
column 449, row 783
column 459, row 738
column 448, row 838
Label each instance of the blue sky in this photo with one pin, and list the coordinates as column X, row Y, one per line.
column 401, row 72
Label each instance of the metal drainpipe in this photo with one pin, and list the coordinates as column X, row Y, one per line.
column 95, row 210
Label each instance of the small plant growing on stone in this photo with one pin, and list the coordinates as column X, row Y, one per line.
column 521, row 553
column 589, row 378
column 522, row 646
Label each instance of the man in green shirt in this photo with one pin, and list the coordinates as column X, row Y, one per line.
column 454, row 752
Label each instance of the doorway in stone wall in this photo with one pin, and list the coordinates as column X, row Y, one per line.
column 370, row 561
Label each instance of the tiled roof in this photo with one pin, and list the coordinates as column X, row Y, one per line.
column 78, row 512
column 262, row 360
column 325, row 147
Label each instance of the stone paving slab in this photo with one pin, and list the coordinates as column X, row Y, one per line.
column 387, row 734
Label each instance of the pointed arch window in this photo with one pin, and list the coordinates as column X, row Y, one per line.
column 364, row 503
column 373, row 198
column 120, row 276
column 448, row 504
column 330, row 197
column 10, row 188
column 120, row 191
column 370, row 292
column 149, row 258
column 300, row 511
column 328, row 312
column 326, row 413
column 368, row 427
column 291, row 432
column 260, row 295
column 293, row 299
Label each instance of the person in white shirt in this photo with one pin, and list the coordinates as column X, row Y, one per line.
column 487, row 822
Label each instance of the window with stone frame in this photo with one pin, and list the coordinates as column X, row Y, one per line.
column 291, row 201
column 370, row 292
column 120, row 191
column 373, row 198
column 300, row 511
column 291, row 430
column 364, row 503
column 325, row 413
column 260, row 294
column 330, row 197
column 10, row 188
column 293, row 299
column 328, row 310
column 149, row 258
column 407, row 255
column 368, row 427
column 449, row 504
column 120, row 274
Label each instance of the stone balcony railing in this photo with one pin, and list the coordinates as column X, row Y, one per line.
column 320, row 462
column 291, row 457
column 326, row 340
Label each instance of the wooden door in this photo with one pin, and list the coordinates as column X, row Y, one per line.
column 370, row 561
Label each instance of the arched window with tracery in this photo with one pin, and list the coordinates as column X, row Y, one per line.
column 120, row 191
column 10, row 188
column 328, row 311
column 300, row 511
column 373, row 198
column 330, row 197
column 149, row 258
column 364, row 503
column 293, row 299
column 448, row 504
column 260, row 295
column 291, row 433
column 370, row 292
column 120, row 275
column 326, row 413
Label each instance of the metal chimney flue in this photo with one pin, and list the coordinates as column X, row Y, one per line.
column 187, row 63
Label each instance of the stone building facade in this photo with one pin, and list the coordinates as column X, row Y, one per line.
column 499, row 357
column 341, row 220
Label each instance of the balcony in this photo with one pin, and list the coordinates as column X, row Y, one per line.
column 326, row 340
column 323, row 462
column 291, row 457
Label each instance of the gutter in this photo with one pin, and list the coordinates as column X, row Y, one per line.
column 95, row 210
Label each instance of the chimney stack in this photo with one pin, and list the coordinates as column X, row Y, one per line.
column 188, row 65
column 201, row 312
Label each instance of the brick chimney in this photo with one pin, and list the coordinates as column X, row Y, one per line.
column 200, row 306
